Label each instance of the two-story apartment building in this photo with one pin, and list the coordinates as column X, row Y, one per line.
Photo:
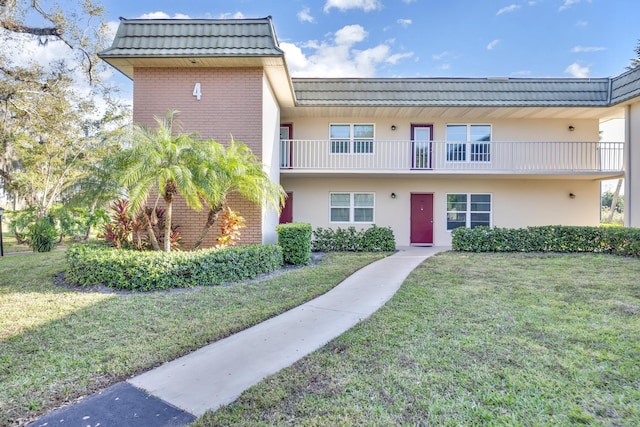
column 421, row 155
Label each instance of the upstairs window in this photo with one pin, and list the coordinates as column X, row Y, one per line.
column 468, row 143
column 351, row 138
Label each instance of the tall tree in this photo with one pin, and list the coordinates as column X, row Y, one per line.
column 49, row 79
column 635, row 62
column 233, row 169
column 164, row 159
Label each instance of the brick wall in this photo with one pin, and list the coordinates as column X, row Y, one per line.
column 231, row 104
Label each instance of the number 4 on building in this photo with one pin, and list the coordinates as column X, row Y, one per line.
column 197, row 92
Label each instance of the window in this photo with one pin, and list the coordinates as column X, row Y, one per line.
column 351, row 207
column 347, row 138
column 468, row 143
column 468, row 210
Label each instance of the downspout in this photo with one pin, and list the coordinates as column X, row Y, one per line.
column 628, row 202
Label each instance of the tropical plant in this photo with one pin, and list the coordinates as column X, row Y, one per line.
column 230, row 224
column 162, row 159
column 233, row 169
column 43, row 235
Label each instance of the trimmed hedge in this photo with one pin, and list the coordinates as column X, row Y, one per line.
column 372, row 239
column 89, row 265
column 295, row 240
column 612, row 240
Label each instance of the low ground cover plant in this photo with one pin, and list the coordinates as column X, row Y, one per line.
column 372, row 239
column 95, row 264
column 611, row 240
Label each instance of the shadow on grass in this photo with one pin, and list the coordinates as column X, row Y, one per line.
column 58, row 344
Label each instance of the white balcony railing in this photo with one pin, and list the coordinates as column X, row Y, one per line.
column 439, row 156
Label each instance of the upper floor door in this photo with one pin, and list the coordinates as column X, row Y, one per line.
column 286, row 146
column 421, row 146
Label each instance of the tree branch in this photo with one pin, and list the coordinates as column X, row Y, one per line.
column 34, row 31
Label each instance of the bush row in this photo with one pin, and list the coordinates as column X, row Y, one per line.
column 295, row 240
column 372, row 239
column 613, row 240
column 144, row 271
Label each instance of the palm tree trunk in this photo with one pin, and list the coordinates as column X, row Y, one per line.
column 167, row 227
column 152, row 234
column 211, row 219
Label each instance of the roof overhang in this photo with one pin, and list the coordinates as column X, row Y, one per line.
column 274, row 67
column 457, row 112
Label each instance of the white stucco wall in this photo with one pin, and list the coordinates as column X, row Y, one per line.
column 515, row 202
column 632, row 178
column 503, row 129
column 270, row 153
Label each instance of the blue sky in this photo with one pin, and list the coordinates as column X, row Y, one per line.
column 431, row 38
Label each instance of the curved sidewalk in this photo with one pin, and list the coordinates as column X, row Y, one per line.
column 217, row 374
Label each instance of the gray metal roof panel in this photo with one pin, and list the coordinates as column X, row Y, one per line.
column 189, row 37
column 625, row 86
column 452, row 92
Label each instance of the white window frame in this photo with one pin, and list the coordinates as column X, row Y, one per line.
column 468, row 212
column 352, row 140
column 352, row 207
column 468, row 145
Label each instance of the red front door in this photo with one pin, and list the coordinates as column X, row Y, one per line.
column 422, row 218
column 286, row 215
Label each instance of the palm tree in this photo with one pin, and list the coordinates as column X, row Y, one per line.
column 233, row 169
column 159, row 159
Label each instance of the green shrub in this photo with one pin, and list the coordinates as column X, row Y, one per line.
column 43, row 235
column 295, row 240
column 372, row 239
column 614, row 240
column 92, row 264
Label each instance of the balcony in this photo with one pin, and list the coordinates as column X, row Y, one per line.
column 438, row 157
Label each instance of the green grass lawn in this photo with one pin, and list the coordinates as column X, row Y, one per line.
column 474, row 339
column 57, row 344
column 9, row 243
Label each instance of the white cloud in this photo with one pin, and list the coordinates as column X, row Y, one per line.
column 493, row 44
column 395, row 58
column 580, row 49
column 509, row 9
column 163, row 15
column 366, row 5
column 575, row 70
column 237, row 15
column 444, row 67
column 350, row 34
column 439, row 56
column 582, row 24
column 338, row 57
column 568, row 3
column 405, row 22
column 305, row 15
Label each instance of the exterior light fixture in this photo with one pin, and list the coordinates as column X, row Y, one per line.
column 393, row 127
column 393, row 195
column 572, row 128
column 572, row 196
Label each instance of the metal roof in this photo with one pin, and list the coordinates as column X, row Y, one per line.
column 140, row 42
column 143, row 38
column 625, row 86
column 503, row 92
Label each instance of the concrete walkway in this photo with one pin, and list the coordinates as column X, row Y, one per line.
column 218, row 373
